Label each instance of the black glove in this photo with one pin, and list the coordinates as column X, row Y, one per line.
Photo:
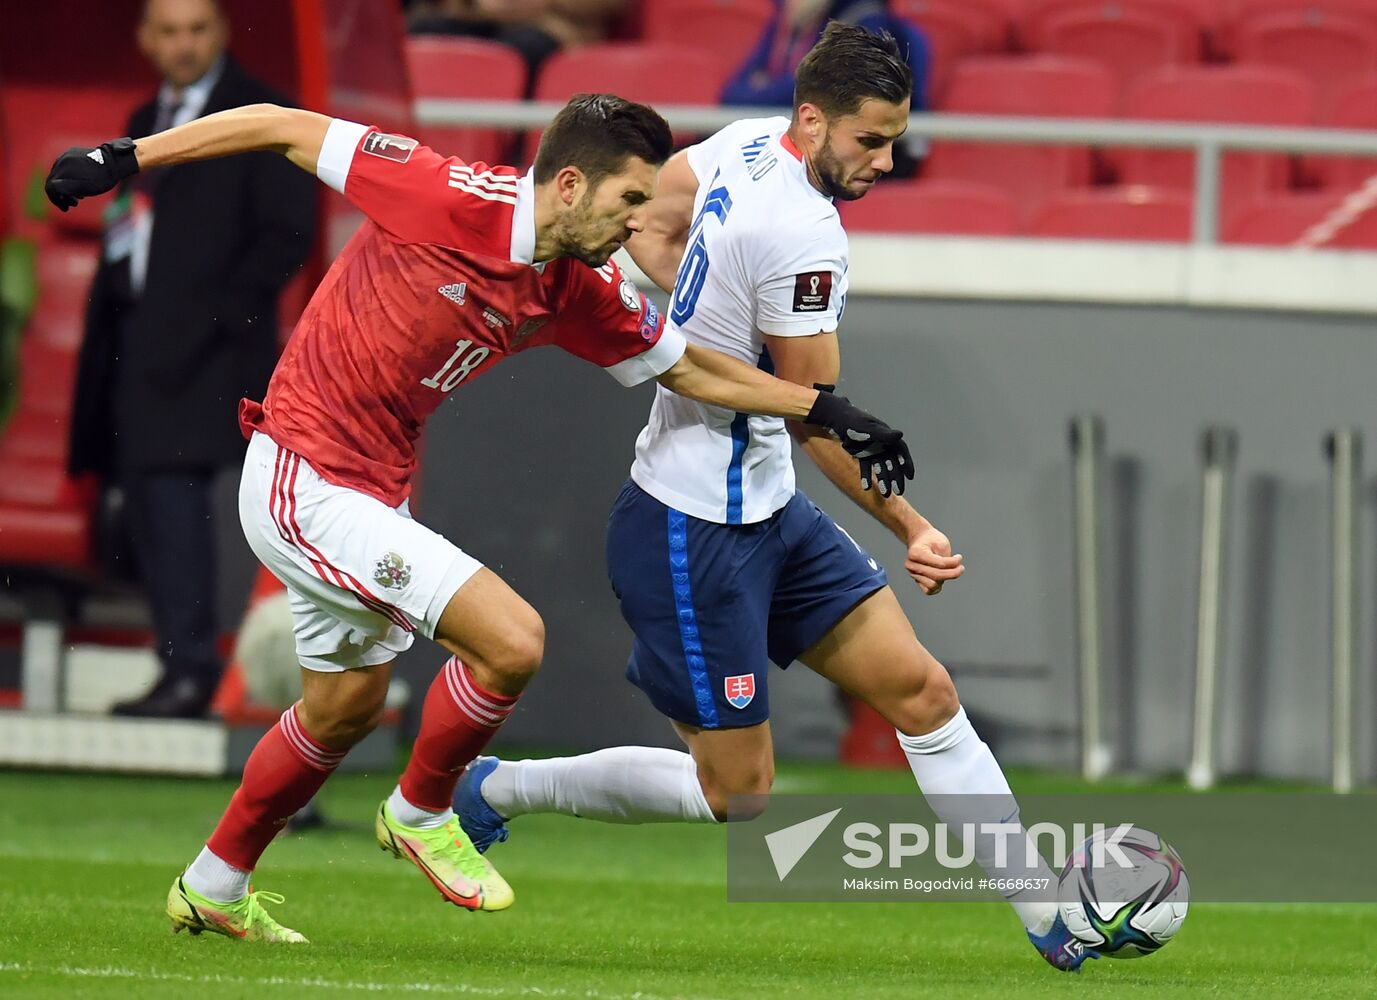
column 880, row 449
column 81, row 172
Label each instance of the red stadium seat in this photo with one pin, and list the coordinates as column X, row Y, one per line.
column 1355, row 107
column 1014, row 13
column 1188, row 17
column 986, row 24
column 1125, row 213
column 1236, row 12
column 947, row 207
column 1130, row 41
column 1330, row 50
column 954, row 30
column 442, row 66
column 1047, row 86
column 1282, row 220
column 45, row 516
column 729, row 28
column 651, row 74
column 1255, row 95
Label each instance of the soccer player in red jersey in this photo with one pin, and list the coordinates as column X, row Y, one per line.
column 458, row 266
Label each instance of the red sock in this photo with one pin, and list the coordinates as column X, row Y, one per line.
column 458, row 720
column 282, row 774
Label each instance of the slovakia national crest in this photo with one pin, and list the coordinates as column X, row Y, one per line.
column 740, row 690
column 392, row 572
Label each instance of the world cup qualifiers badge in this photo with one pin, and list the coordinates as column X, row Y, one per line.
column 397, row 148
column 391, row 572
column 812, row 291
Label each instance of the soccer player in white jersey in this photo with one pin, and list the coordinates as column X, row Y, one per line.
column 719, row 562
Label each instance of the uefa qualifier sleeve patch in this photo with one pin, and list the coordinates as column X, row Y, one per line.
column 812, row 291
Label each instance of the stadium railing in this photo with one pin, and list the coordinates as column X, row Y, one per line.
column 1208, row 142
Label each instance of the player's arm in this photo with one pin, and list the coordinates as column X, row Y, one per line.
column 816, row 360
column 718, row 380
column 665, row 221
column 82, row 172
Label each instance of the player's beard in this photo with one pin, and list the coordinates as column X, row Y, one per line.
column 577, row 223
column 830, row 173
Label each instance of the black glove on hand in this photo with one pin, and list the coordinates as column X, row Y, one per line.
column 82, row 172
column 880, row 449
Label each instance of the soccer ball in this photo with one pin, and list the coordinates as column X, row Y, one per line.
column 1124, row 910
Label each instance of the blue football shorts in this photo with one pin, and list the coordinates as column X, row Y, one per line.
column 711, row 603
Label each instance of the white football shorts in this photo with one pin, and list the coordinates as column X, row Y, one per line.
column 363, row 577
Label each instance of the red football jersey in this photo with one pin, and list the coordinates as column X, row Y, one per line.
column 435, row 288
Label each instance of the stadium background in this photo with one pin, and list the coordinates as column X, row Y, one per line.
column 985, row 378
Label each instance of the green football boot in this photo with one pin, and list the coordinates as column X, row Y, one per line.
column 244, row 919
column 447, row 857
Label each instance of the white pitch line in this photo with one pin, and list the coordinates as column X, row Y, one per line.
column 317, row 982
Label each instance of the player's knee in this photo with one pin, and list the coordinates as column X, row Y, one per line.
column 739, row 796
column 930, row 704
column 523, row 647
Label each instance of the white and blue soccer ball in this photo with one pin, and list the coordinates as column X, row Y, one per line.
column 1124, row 910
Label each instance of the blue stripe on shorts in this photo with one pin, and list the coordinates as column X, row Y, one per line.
column 689, row 635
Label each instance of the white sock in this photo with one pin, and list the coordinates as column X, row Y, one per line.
column 414, row 816
column 617, row 785
column 956, row 765
column 215, row 878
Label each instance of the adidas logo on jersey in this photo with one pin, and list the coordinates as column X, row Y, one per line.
column 98, row 156
column 455, row 293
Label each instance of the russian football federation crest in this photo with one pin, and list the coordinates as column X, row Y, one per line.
column 391, row 572
column 527, row 329
column 740, row 690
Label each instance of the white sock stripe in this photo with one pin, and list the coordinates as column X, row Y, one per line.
column 487, row 701
column 469, row 707
column 314, row 756
column 292, row 730
column 456, row 694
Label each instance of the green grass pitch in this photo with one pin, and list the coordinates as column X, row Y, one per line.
column 602, row 912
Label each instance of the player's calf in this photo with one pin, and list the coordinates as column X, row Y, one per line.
column 736, row 768
column 737, row 794
column 340, row 709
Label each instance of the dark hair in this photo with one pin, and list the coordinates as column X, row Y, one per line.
column 598, row 133
column 849, row 66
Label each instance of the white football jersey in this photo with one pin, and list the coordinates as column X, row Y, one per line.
column 766, row 255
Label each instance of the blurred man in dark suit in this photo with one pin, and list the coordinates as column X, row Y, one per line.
column 182, row 323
